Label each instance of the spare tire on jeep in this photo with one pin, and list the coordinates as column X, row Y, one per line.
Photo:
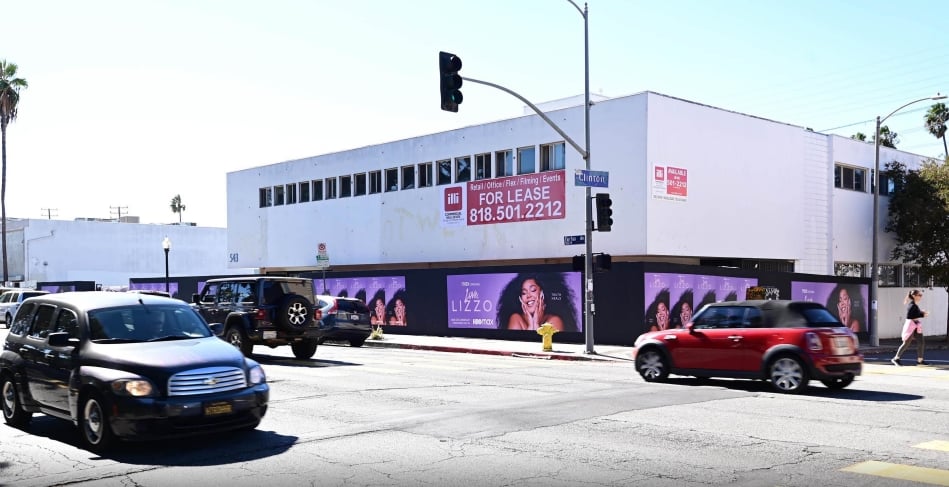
column 294, row 314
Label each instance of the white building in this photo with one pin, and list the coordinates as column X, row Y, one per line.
column 110, row 253
column 690, row 184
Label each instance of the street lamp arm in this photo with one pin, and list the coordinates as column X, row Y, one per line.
column 578, row 8
column 542, row 115
column 937, row 97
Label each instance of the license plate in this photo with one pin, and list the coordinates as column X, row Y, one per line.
column 841, row 342
column 270, row 334
column 216, row 408
column 354, row 317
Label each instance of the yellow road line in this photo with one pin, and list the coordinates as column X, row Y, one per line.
column 932, row 476
column 934, row 445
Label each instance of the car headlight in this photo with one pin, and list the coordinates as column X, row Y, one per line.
column 133, row 387
column 257, row 375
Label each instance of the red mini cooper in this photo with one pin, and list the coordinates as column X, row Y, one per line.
column 785, row 342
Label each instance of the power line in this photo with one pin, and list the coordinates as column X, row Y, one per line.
column 48, row 212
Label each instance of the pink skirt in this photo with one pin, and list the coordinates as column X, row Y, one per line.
column 909, row 327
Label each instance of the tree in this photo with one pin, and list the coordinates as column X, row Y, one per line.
column 919, row 217
column 862, row 137
column 887, row 138
column 10, row 87
column 936, row 119
column 177, row 207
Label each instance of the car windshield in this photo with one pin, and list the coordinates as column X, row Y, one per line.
column 146, row 323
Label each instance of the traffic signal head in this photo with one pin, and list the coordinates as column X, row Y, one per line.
column 604, row 212
column 448, row 67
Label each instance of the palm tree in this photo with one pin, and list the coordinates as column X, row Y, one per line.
column 177, row 207
column 936, row 119
column 888, row 138
column 10, row 87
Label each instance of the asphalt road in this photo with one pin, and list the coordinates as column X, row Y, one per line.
column 394, row 417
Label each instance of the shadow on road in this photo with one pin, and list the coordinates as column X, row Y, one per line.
column 216, row 449
column 815, row 389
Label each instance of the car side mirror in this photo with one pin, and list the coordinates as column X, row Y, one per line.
column 691, row 327
column 196, row 298
column 217, row 328
column 61, row 339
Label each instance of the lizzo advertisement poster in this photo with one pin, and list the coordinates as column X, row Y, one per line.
column 384, row 295
column 672, row 299
column 848, row 302
column 515, row 301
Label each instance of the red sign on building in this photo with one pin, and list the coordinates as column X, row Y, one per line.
column 527, row 197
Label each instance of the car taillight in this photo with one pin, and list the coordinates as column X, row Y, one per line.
column 813, row 341
column 317, row 314
column 260, row 315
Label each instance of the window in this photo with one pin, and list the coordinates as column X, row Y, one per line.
column 912, row 277
column 525, row 160
column 42, row 321
column 317, row 189
column 887, row 184
column 67, row 322
column 552, row 157
column 483, row 166
column 345, row 186
column 408, row 177
column 304, row 191
column 291, row 194
column 392, row 179
column 375, row 182
column 425, row 174
column 266, row 197
column 444, row 172
column 849, row 178
column 462, row 169
column 504, row 163
column 849, row 269
column 278, row 195
column 360, row 184
column 889, row 275
column 330, row 188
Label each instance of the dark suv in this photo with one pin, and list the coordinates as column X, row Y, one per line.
column 262, row 310
column 785, row 342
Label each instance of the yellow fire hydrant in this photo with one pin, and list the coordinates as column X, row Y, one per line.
column 547, row 331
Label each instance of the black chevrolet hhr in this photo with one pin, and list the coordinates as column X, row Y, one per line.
column 126, row 366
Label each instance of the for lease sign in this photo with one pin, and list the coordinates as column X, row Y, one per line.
column 526, row 197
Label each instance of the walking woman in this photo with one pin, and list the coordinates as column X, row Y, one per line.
column 913, row 328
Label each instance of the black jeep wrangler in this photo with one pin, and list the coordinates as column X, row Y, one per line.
column 262, row 310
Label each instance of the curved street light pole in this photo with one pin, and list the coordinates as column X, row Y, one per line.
column 588, row 254
column 874, row 260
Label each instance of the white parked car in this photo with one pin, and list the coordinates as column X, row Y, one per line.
column 10, row 302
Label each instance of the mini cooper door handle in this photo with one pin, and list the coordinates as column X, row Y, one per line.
column 735, row 338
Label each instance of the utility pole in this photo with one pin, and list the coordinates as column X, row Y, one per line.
column 118, row 210
column 49, row 212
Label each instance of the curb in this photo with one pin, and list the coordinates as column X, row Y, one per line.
column 481, row 351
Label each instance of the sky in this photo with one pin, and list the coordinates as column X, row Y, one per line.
column 133, row 102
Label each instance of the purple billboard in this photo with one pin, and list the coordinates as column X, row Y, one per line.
column 511, row 301
column 848, row 302
column 385, row 296
column 157, row 286
column 671, row 299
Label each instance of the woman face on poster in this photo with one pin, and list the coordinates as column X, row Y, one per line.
column 398, row 313
column 378, row 311
column 845, row 310
column 685, row 314
column 662, row 316
column 533, row 309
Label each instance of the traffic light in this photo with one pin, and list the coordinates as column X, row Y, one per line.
column 604, row 262
column 448, row 66
column 604, row 214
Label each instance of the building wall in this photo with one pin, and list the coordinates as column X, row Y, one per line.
column 111, row 253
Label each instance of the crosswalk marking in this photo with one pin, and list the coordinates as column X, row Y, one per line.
column 932, row 476
column 934, row 445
